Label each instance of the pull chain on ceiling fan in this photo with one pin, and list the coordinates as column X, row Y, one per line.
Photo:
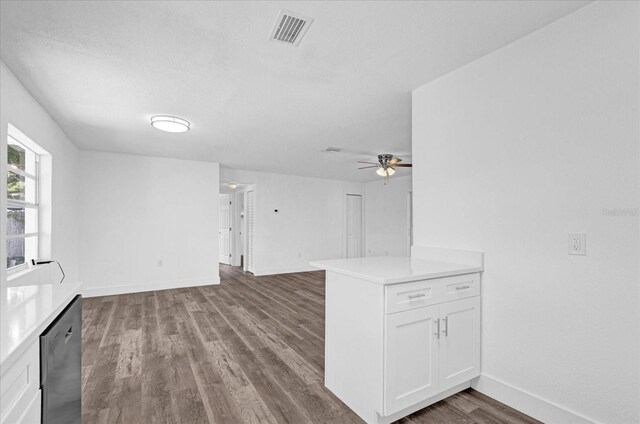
column 386, row 165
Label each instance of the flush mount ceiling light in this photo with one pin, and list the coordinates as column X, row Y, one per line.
column 232, row 185
column 169, row 123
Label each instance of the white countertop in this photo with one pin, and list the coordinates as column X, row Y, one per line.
column 28, row 304
column 392, row 270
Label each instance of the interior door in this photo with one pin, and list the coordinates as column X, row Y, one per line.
column 354, row 226
column 250, row 212
column 411, row 357
column 240, row 235
column 224, row 230
column 459, row 342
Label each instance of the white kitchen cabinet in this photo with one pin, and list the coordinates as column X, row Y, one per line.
column 20, row 389
column 459, row 343
column 429, row 350
column 29, row 302
column 411, row 358
column 400, row 333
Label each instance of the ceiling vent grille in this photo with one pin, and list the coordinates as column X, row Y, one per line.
column 290, row 28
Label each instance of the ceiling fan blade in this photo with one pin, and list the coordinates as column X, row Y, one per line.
column 366, row 167
column 371, row 163
column 404, row 165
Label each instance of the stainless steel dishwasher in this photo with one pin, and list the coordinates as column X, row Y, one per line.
column 61, row 366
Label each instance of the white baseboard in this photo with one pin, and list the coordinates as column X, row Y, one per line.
column 286, row 270
column 528, row 403
column 137, row 288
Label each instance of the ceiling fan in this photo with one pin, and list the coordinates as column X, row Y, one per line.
column 386, row 165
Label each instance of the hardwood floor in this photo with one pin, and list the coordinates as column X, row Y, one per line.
column 250, row 350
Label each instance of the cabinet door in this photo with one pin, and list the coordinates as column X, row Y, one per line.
column 459, row 342
column 411, row 358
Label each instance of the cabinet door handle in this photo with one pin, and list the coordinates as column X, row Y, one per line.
column 437, row 333
column 446, row 326
column 417, row 295
column 463, row 287
column 68, row 335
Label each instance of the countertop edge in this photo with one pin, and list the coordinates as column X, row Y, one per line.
column 7, row 362
column 464, row 269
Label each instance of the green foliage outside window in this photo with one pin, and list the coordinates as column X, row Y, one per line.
column 15, row 182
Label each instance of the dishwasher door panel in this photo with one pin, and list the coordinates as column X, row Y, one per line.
column 61, row 367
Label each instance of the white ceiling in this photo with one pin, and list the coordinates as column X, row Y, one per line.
column 103, row 68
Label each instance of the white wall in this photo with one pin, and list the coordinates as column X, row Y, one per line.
column 309, row 224
column 387, row 211
column 147, row 223
column 20, row 109
column 511, row 153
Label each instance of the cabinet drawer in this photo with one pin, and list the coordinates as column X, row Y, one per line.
column 460, row 287
column 19, row 384
column 406, row 296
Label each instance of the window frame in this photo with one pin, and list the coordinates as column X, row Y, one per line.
column 23, row 204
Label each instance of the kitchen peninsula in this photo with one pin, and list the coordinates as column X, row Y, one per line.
column 401, row 333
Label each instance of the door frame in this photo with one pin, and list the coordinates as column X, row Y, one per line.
column 245, row 265
column 345, row 236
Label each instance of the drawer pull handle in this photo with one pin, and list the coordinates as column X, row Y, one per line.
column 417, row 295
column 463, row 287
column 437, row 333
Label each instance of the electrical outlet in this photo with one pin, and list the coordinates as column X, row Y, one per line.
column 577, row 244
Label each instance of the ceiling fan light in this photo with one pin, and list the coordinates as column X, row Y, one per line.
column 169, row 123
column 384, row 172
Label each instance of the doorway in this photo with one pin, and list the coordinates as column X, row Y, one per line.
column 237, row 225
column 354, row 223
column 224, row 230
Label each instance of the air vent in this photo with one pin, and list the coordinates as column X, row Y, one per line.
column 332, row 150
column 290, row 27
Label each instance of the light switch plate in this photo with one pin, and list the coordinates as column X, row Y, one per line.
column 578, row 244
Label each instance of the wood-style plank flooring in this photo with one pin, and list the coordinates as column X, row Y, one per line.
column 250, row 350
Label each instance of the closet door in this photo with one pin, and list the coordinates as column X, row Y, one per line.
column 354, row 226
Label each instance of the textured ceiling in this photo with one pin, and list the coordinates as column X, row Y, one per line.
column 103, row 68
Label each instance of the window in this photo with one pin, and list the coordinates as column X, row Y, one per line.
column 22, row 203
